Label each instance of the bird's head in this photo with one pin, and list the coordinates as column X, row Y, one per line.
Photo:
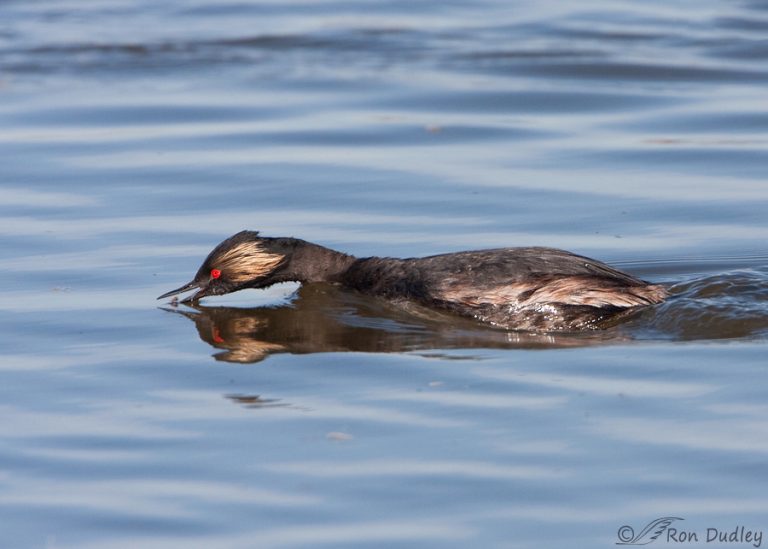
column 244, row 260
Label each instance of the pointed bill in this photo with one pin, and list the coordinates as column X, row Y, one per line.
column 189, row 286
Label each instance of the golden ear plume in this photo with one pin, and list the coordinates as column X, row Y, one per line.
column 247, row 260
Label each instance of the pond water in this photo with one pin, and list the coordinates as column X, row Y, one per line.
column 137, row 135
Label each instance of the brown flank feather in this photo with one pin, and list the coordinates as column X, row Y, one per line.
column 572, row 290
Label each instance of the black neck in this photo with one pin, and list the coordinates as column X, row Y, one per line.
column 309, row 262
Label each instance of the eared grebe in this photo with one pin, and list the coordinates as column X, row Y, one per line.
column 534, row 289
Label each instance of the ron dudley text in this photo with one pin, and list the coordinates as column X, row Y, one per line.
column 740, row 534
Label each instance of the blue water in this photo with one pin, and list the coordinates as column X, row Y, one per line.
column 137, row 135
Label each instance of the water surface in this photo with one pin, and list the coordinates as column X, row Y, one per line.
column 137, row 135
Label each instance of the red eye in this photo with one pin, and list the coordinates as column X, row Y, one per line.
column 215, row 273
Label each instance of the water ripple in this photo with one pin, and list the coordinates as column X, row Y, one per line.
column 136, row 135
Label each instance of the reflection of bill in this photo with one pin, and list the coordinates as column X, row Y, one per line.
column 647, row 535
column 327, row 319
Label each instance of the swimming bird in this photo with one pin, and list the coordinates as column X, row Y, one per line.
column 531, row 289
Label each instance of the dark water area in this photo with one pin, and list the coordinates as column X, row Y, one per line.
column 137, row 135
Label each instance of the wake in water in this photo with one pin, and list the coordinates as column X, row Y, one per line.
column 729, row 305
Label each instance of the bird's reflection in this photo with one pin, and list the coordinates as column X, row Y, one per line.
column 323, row 318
